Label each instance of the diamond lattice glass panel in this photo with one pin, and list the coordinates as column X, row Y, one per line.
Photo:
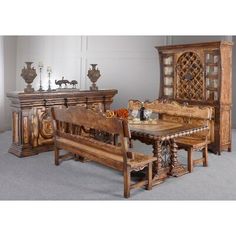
column 168, row 60
column 190, row 80
column 216, row 59
column 168, row 81
column 215, row 96
column 208, row 58
column 168, row 70
column 215, row 69
column 168, row 92
column 212, row 95
column 212, row 83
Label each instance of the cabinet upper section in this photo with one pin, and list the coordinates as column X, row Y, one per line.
column 197, row 72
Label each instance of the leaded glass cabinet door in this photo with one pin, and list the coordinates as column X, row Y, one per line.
column 190, row 83
column 168, row 75
column 212, row 74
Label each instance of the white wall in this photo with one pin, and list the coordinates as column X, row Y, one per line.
column 7, row 78
column 127, row 63
column 9, row 59
column 196, row 39
column 2, row 98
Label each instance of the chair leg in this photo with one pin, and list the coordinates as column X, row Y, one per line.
column 131, row 143
column 190, row 160
column 127, row 182
column 205, row 155
column 149, row 170
column 56, row 154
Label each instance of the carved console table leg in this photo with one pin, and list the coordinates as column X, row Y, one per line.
column 159, row 171
column 176, row 169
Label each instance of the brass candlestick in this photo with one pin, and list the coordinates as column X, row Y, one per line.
column 49, row 70
column 40, row 76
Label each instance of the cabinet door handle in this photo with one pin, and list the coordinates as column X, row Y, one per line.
column 66, row 102
column 44, row 102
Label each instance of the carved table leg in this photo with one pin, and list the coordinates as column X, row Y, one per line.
column 159, row 171
column 176, row 169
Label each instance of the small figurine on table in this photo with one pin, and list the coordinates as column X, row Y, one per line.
column 74, row 83
column 62, row 81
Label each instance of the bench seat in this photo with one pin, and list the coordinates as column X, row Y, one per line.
column 116, row 161
column 139, row 159
column 190, row 141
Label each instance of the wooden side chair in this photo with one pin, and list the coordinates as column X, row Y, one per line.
column 190, row 144
column 198, row 141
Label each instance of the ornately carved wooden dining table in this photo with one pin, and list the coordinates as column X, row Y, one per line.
column 161, row 135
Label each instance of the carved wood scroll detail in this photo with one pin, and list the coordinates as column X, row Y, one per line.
column 25, row 130
column 41, row 125
column 180, row 110
column 15, row 127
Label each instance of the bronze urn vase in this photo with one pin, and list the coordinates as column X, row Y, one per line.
column 28, row 74
column 93, row 74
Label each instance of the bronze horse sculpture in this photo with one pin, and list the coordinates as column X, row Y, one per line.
column 74, row 83
column 62, row 81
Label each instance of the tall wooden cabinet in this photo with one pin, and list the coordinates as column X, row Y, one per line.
column 201, row 74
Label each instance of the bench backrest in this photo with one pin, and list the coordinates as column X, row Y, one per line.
column 88, row 118
column 182, row 113
column 93, row 122
column 174, row 108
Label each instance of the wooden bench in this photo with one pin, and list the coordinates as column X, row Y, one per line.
column 175, row 112
column 68, row 125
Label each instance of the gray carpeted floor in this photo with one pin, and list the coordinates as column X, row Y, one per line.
column 36, row 178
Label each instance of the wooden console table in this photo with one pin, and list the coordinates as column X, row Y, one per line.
column 161, row 136
column 31, row 124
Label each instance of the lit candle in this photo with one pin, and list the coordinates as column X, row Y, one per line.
column 49, row 69
column 40, row 64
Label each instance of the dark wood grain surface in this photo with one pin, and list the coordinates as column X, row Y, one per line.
column 31, row 123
